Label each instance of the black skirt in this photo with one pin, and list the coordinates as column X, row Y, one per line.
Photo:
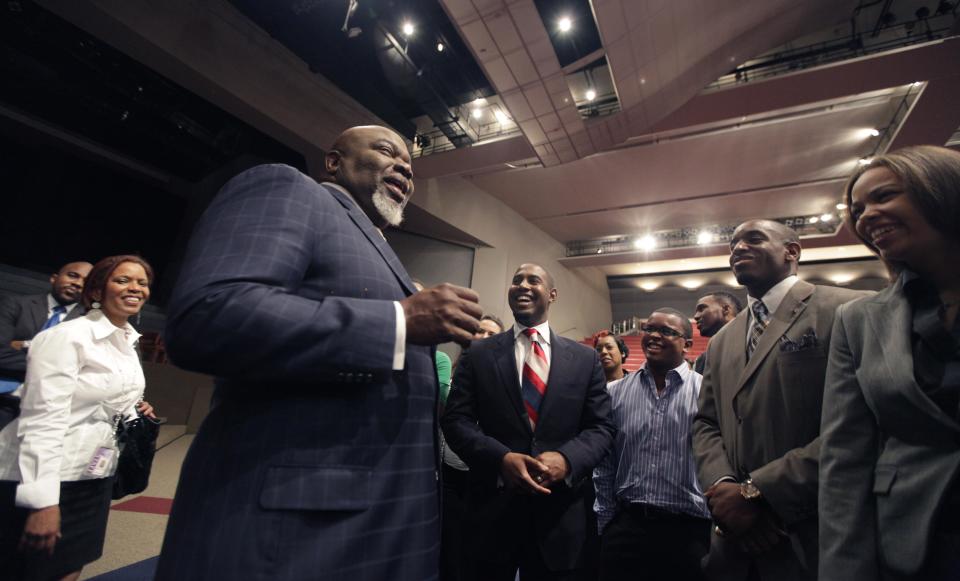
column 84, row 508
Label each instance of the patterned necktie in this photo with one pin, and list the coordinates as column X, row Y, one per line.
column 536, row 369
column 761, row 316
column 58, row 312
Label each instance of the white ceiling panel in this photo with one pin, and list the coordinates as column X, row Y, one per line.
column 499, row 74
column 522, row 67
column 537, row 98
column 517, row 105
column 534, row 133
column 503, row 32
column 476, row 35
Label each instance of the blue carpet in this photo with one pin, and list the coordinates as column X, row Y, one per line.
column 140, row 571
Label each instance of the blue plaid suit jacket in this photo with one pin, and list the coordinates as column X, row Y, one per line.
column 317, row 461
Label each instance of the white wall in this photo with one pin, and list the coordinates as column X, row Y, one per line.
column 583, row 305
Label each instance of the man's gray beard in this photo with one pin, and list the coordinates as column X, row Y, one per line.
column 389, row 210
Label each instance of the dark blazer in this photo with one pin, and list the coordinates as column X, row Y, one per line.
column 888, row 452
column 761, row 417
column 485, row 419
column 317, row 461
column 21, row 317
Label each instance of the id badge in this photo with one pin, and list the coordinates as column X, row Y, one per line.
column 102, row 460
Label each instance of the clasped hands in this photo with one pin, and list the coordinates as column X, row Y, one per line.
column 533, row 475
column 441, row 313
column 751, row 523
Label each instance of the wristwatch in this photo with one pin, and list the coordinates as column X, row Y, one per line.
column 749, row 490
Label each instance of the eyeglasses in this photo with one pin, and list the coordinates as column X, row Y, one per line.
column 664, row 331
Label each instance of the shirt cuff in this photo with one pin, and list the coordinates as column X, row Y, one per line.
column 725, row 479
column 400, row 343
column 38, row 494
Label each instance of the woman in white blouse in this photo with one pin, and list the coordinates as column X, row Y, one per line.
column 57, row 460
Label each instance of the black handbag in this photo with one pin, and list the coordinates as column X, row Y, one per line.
column 137, row 441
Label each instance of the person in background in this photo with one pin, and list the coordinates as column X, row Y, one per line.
column 712, row 312
column 489, row 326
column 649, row 504
column 613, row 352
column 890, row 445
column 58, row 458
column 757, row 432
column 22, row 317
column 529, row 413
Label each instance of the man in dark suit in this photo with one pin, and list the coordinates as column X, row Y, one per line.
column 712, row 312
column 529, row 413
column 757, row 434
column 22, row 317
column 318, row 459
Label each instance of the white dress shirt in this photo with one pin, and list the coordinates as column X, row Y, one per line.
column 52, row 302
column 522, row 346
column 80, row 375
column 771, row 299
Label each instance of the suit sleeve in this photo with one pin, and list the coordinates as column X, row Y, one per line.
column 595, row 439
column 236, row 311
column 849, row 444
column 708, row 448
column 12, row 361
column 460, row 421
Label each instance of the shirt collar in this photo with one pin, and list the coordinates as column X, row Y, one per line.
column 683, row 370
column 103, row 328
column 775, row 295
column 52, row 303
column 543, row 329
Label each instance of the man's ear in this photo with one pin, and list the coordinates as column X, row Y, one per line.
column 331, row 162
column 687, row 345
column 553, row 295
column 793, row 251
column 53, row 277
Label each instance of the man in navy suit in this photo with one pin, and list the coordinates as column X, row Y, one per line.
column 318, row 459
column 22, row 317
column 529, row 413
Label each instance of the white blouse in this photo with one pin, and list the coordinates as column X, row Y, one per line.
column 80, row 375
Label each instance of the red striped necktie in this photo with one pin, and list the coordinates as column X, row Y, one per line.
column 536, row 369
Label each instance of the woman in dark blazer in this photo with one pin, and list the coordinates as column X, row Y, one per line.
column 890, row 440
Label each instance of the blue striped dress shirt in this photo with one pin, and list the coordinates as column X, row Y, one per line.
column 652, row 457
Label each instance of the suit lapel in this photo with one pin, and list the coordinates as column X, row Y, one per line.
column 891, row 320
column 375, row 237
column 786, row 315
column 506, row 368
column 38, row 311
column 560, row 367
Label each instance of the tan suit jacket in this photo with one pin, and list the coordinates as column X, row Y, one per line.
column 761, row 418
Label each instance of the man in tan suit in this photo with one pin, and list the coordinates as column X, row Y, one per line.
column 756, row 437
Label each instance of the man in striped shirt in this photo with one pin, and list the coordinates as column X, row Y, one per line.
column 651, row 512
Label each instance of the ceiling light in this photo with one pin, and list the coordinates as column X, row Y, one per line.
column 916, row 83
column 479, row 102
column 565, row 24
column 813, row 220
column 407, row 29
column 865, row 160
column 645, row 243
column 649, row 285
column 600, row 250
column 704, row 237
column 867, row 133
column 691, row 284
column 732, row 281
column 502, row 118
column 591, row 95
column 440, row 47
column 477, row 114
column 841, row 206
column 841, row 277
column 826, row 218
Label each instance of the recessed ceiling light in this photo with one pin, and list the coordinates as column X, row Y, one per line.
column 826, row 218
column 841, row 206
column 867, row 133
column 813, row 220
column 841, row 277
column 479, row 102
column 440, row 47
column 704, row 237
column 865, row 160
column 591, row 95
column 645, row 243
column 565, row 24
column 476, row 113
column 649, row 285
column 692, row 284
column 408, row 28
